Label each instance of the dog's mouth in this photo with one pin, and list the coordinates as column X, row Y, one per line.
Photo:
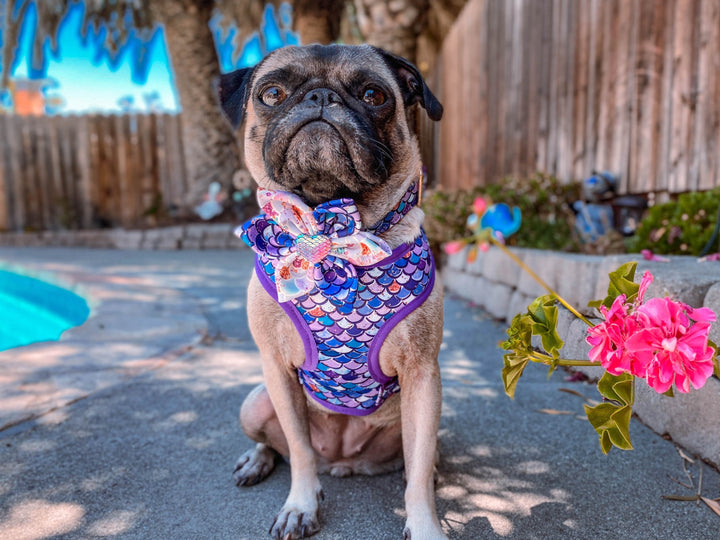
column 320, row 162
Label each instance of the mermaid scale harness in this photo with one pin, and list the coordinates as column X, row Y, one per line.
column 343, row 288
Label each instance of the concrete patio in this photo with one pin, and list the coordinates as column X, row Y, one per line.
column 127, row 428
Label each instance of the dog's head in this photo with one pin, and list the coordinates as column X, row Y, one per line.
column 326, row 122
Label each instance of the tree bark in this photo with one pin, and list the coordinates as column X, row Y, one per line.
column 210, row 146
column 393, row 25
column 318, row 21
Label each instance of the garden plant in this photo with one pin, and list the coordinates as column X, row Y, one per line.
column 662, row 341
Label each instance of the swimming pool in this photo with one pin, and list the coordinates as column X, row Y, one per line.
column 33, row 310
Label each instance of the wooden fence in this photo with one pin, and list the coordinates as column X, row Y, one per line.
column 568, row 86
column 71, row 172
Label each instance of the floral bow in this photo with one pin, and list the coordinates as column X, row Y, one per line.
column 312, row 248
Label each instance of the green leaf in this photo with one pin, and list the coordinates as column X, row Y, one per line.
column 716, row 364
column 612, row 423
column 519, row 334
column 544, row 314
column 621, row 282
column 514, row 367
column 519, row 343
column 669, row 392
column 611, row 420
column 617, row 387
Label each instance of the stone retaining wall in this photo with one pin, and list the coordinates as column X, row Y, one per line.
column 496, row 283
column 192, row 236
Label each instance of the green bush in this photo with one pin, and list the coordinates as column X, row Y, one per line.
column 547, row 219
column 681, row 227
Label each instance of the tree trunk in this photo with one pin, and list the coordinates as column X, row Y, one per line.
column 394, row 25
column 210, row 146
column 318, row 21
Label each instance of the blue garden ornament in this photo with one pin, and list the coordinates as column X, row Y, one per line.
column 500, row 218
column 488, row 224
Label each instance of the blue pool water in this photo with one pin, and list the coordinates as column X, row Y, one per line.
column 32, row 310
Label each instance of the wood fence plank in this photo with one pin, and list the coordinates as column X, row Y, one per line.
column 462, row 85
column 122, row 180
column 648, row 80
column 60, row 201
column 624, row 105
column 14, row 136
column 496, row 29
column 707, row 125
column 581, row 71
column 45, row 191
column 478, row 112
column 609, row 76
column 91, row 172
column 145, row 160
column 30, row 187
column 68, row 132
column 592, row 121
column 162, row 157
column 554, row 86
column 532, row 33
column 512, row 90
column 543, row 97
column 154, row 187
column 683, row 93
column 565, row 110
column 665, row 110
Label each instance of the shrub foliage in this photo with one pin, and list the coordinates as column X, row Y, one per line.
column 681, row 227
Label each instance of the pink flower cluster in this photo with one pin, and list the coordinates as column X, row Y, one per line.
column 661, row 340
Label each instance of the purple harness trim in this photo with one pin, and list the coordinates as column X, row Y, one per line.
column 341, row 369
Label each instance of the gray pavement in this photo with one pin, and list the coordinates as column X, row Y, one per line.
column 140, row 438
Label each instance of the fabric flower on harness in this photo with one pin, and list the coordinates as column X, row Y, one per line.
column 312, row 248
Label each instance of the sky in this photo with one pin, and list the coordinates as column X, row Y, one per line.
column 90, row 81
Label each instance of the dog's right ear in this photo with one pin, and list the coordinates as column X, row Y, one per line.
column 233, row 91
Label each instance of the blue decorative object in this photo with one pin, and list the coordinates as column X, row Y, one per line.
column 500, row 218
column 592, row 220
column 599, row 186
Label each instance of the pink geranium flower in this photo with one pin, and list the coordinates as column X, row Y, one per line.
column 673, row 342
column 453, row 247
column 608, row 340
column 661, row 340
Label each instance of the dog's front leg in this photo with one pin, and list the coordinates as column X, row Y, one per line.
column 298, row 517
column 420, row 406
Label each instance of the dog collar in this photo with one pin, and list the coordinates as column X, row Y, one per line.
column 407, row 203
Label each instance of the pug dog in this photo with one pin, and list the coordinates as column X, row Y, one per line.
column 330, row 123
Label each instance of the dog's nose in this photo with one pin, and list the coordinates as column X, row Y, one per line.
column 323, row 97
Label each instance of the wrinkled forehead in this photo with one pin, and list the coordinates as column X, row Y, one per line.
column 324, row 61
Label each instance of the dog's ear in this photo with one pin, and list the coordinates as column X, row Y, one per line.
column 412, row 85
column 233, row 92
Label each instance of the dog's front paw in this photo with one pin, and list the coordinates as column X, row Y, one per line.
column 430, row 531
column 291, row 524
column 254, row 465
column 298, row 519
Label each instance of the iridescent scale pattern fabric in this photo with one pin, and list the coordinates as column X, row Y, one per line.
column 341, row 368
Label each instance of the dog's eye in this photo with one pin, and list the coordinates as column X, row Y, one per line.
column 373, row 96
column 273, row 95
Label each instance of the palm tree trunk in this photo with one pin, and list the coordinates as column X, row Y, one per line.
column 393, row 25
column 210, row 146
column 318, row 21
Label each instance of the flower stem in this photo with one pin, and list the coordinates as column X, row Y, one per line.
column 537, row 278
column 547, row 359
column 577, row 363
